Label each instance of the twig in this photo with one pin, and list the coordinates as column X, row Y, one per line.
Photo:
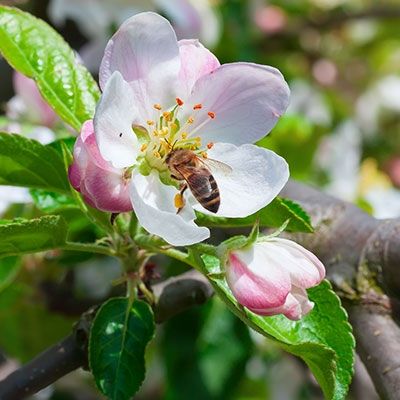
column 45, row 369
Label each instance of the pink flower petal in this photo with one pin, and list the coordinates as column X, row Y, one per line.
column 305, row 269
column 246, row 101
column 196, row 61
column 145, row 50
column 261, row 280
column 101, row 185
column 36, row 107
column 254, row 291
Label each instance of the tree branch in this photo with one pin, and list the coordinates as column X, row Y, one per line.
column 378, row 344
column 45, row 369
column 362, row 257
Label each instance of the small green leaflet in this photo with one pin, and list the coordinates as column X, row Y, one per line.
column 119, row 335
column 36, row 50
column 26, row 162
column 30, row 236
column 273, row 215
column 51, row 202
column 323, row 338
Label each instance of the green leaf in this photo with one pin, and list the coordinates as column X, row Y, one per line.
column 35, row 49
column 51, row 202
column 273, row 215
column 29, row 236
column 26, row 162
column 118, row 338
column 323, row 338
column 9, row 268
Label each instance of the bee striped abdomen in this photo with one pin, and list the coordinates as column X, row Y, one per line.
column 204, row 189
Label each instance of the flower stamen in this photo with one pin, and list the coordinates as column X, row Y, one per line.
column 143, row 147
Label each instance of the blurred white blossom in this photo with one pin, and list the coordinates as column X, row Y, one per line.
column 192, row 19
column 308, row 101
column 12, row 194
column 383, row 96
column 27, row 113
column 350, row 178
column 339, row 154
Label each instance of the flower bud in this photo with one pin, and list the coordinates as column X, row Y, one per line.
column 101, row 185
column 271, row 277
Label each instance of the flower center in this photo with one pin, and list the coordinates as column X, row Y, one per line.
column 168, row 133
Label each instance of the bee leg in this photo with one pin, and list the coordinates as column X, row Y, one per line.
column 179, row 199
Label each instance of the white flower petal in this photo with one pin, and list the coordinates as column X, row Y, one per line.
column 144, row 49
column 115, row 114
column 305, row 269
column 257, row 176
column 153, row 203
column 247, row 100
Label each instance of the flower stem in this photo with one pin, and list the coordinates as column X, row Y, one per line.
column 89, row 248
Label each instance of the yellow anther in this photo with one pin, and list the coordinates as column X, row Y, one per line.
column 157, row 106
column 164, row 131
column 184, row 135
column 173, row 126
column 204, row 154
column 150, row 122
column 198, row 139
column 179, row 201
column 167, row 115
column 156, row 132
column 193, row 148
column 156, row 154
column 143, row 147
column 190, row 120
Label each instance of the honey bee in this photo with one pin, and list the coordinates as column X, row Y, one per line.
column 186, row 166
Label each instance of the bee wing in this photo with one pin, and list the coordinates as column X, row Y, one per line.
column 203, row 186
column 215, row 164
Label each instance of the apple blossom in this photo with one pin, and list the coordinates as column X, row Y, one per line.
column 101, row 185
column 271, row 277
column 161, row 95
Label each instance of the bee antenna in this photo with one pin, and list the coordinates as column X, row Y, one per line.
column 173, row 145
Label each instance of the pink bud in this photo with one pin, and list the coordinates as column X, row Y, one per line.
column 271, row 277
column 34, row 107
column 102, row 186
